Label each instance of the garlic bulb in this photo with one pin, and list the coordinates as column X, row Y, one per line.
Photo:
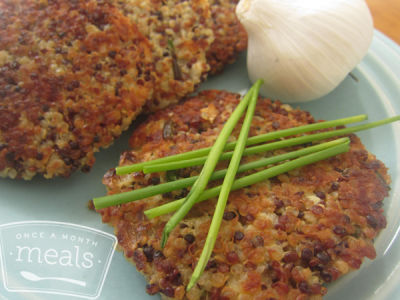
column 303, row 49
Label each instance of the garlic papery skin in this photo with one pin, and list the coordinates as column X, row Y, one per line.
column 303, row 49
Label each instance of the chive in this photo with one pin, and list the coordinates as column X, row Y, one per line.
column 121, row 170
column 224, row 194
column 270, row 146
column 210, row 163
column 254, row 178
column 121, row 198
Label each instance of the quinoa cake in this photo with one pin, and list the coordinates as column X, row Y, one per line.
column 284, row 238
column 74, row 74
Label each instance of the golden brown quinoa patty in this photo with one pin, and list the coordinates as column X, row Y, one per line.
column 283, row 238
column 73, row 76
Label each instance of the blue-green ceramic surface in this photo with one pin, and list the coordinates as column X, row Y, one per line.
column 377, row 93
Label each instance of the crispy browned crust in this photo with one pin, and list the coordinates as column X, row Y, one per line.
column 73, row 76
column 230, row 35
column 283, row 238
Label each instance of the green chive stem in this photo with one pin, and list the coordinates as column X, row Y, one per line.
column 210, row 163
column 224, row 194
column 149, row 191
column 269, row 146
column 121, row 170
column 254, row 178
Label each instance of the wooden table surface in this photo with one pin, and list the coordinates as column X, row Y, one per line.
column 386, row 14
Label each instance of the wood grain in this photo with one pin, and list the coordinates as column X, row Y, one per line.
column 386, row 14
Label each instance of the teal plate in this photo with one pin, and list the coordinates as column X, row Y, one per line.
column 67, row 252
